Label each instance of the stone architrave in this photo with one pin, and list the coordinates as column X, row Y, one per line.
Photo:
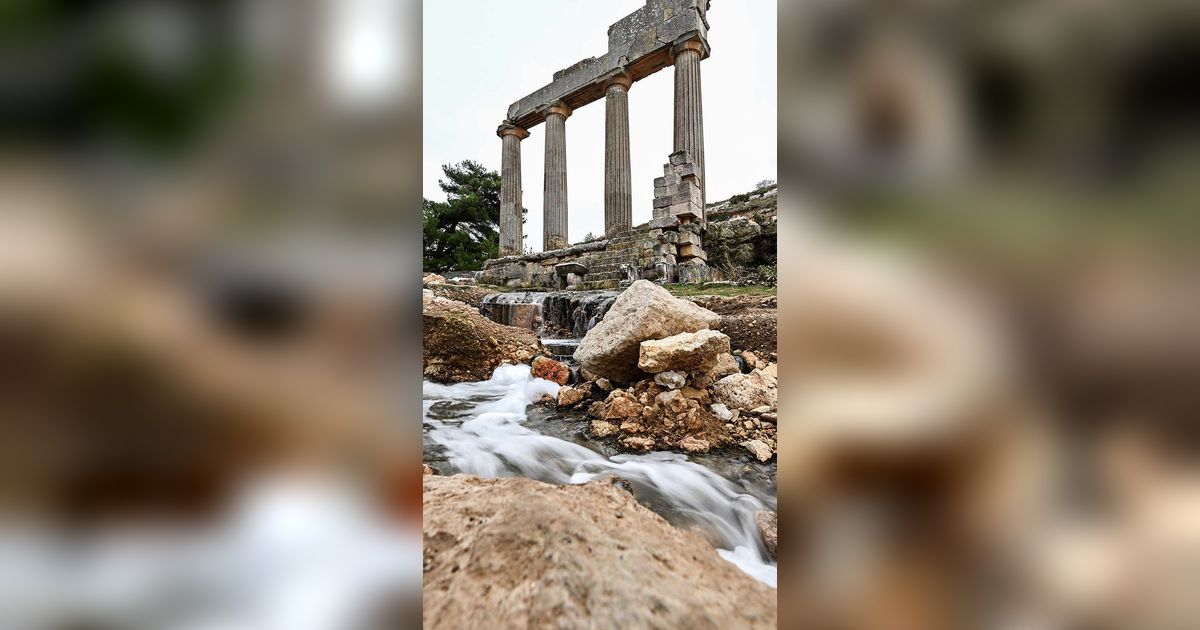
column 555, row 195
column 510, row 189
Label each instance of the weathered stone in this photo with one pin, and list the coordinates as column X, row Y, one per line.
column 750, row 359
column 551, row 370
column 636, row 443
column 566, row 268
column 433, row 278
column 702, row 381
column 768, row 528
column 684, row 352
column 671, row 379
column 726, row 364
column 623, row 408
column 759, row 449
column 461, row 345
column 642, row 312
column 603, row 428
column 569, row 396
column 746, row 391
column 693, row 271
column 694, row 445
column 771, row 370
column 604, row 384
column 721, row 411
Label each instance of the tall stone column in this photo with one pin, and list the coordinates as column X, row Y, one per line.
column 689, row 113
column 510, row 189
column 618, row 190
column 555, row 198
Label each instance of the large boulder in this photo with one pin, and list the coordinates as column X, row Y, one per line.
column 747, row 391
column 643, row 311
column 685, row 352
column 462, row 345
column 525, row 554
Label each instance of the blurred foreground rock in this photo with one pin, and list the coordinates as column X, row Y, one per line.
column 519, row 553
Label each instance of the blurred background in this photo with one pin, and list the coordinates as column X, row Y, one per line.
column 210, row 263
column 992, row 348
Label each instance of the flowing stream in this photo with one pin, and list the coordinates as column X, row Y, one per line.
column 488, row 428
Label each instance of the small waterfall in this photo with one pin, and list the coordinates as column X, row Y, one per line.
column 557, row 316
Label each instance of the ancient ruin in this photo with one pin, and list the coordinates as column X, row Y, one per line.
column 660, row 34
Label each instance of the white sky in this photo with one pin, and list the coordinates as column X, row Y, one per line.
column 482, row 55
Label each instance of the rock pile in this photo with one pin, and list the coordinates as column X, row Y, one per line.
column 685, row 389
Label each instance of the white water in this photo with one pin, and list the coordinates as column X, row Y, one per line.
column 482, row 429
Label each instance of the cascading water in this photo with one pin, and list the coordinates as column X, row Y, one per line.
column 487, row 428
column 558, row 314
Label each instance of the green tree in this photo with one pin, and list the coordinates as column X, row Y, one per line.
column 462, row 232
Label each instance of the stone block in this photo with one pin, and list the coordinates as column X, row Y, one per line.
column 692, row 251
column 668, row 237
column 665, row 221
column 693, row 271
column 689, row 238
column 664, row 249
column 563, row 269
column 679, row 157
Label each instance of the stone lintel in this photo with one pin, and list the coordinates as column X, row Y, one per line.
column 639, row 44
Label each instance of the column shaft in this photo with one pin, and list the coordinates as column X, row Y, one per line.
column 555, row 197
column 618, row 190
column 511, row 219
column 689, row 114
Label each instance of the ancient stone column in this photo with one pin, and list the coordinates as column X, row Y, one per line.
column 618, row 190
column 510, row 189
column 689, row 114
column 555, row 198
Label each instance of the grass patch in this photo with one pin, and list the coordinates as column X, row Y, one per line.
column 686, row 290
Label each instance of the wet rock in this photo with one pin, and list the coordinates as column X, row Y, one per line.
column 461, row 345
column 694, row 445
column 551, row 370
column 569, row 396
column 644, row 311
column 685, row 352
column 671, row 379
column 574, row 556
column 603, row 428
column 721, row 411
column 726, row 364
column 746, row 391
column 635, row 443
column 758, row 449
column 623, row 407
column 768, row 527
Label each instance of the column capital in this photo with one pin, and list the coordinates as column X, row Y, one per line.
column 508, row 129
column 617, row 77
column 690, row 42
column 557, row 107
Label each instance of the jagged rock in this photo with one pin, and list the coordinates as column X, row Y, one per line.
column 771, row 370
column 726, row 364
column 702, row 381
column 433, row 278
column 746, row 391
column 461, row 345
column 551, row 370
column 525, row 554
column 604, row 384
column 623, row 408
column 671, row 379
column 569, row 396
column 644, row 311
column 694, row 445
column 685, row 352
column 768, row 527
column 769, row 417
column 598, row 409
column 751, row 360
column 603, row 428
column 635, row 443
column 721, row 411
column 758, row 449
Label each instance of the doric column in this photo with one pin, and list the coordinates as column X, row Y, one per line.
column 510, row 189
column 689, row 113
column 555, row 199
column 618, row 191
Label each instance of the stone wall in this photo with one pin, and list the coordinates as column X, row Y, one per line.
column 742, row 232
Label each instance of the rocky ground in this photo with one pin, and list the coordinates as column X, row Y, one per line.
column 461, row 345
column 521, row 553
column 748, row 320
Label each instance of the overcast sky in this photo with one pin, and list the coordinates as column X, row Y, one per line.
column 482, row 55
